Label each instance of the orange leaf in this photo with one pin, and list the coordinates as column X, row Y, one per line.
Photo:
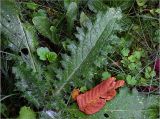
column 93, row 100
column 75, row 93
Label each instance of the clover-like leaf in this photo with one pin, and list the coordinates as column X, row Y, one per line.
column 137, row 54
column 42, row 52
column 51, row 56
column 132, row 66
column 149, row 72
column 131, row 80
column 125, row 52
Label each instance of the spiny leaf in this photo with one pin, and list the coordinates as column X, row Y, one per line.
column 13, row 30
column 71, row 15
column 33, row 85
column 11, row 25
column 19, row 35
column 130, row 105
column 83, row 19
column 99, row 34
column 43, row 25
column 32, row 35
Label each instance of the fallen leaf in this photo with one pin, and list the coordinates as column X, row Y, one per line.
column 93, row 100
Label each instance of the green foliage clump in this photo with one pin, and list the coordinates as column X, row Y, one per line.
column 54, row 47
column 45, row 54
column 149, row 73
column 131, row 80
column 133, row 61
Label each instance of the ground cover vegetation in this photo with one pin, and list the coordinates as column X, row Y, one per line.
column 51, row 47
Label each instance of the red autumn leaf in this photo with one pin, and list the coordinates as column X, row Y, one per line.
column 93, row 100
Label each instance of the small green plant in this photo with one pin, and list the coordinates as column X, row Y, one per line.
column 149, row 72
column 132, row 62
column 134, row 67
column 131, row 80
column 26, row 113
column 125, row 52
column 45, row 54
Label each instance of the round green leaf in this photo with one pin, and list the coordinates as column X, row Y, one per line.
column 132, row 58
column 51, row 56
column 41, row 52
column 131, row 80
